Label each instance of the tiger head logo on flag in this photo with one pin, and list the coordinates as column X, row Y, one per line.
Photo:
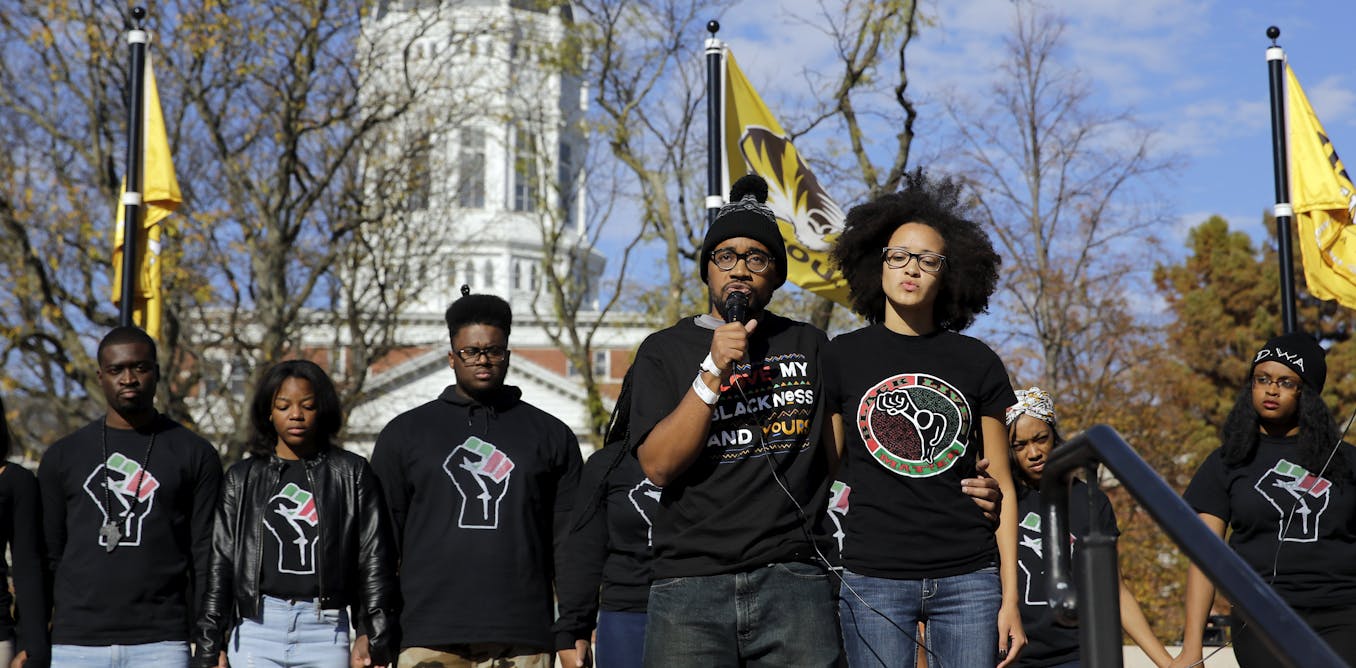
column 794, row 194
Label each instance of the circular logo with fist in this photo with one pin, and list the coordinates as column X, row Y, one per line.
column 914, row 425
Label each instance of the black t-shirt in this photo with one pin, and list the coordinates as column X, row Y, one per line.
column 1316, row 565
column 726, row 513
column 291, row 527
column 911, row 409
column 140, row 592
column 607, row 553
column 1049, row 643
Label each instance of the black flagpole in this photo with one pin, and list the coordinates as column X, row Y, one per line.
column 714, row 121
column 1283, row 210
column 131, row 199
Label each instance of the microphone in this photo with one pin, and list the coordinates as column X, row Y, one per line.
column 737, row 308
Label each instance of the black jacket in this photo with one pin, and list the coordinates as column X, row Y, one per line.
column 355, row 554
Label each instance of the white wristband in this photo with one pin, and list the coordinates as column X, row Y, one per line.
column 706, row 394
column 709, row 366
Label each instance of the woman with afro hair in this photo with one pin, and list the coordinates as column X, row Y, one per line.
column 1282, row 482
column 914, row 405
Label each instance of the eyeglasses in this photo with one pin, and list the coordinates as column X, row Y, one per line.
column 757, row 261
column 1288, row 384
column 897, row 258
column 492, row 353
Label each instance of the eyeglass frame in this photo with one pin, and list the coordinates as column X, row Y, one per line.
column 752, row 252
column 1285, row 383
column 913, row 257
column 492, row 354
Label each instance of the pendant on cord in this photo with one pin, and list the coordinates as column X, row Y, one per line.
column 112, row 535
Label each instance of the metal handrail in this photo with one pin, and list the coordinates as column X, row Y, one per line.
column 1096, row 598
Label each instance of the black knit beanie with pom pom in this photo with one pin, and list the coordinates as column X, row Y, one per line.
column 747, row 215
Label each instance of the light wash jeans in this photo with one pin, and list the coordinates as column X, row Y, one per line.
column 290, row 635
column 961, row 613
column 170, row 654
column 775, row 616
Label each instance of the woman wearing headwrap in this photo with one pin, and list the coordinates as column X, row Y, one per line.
column 1033, row 432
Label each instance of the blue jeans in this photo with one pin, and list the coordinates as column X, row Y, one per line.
column 169, row 653
column 621, row 640
column 290, row 635
column 961, row 613
column 779, row 615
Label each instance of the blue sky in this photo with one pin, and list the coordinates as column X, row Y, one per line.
column 1193, row 70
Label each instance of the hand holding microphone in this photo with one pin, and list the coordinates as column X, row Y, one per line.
column 730, row 343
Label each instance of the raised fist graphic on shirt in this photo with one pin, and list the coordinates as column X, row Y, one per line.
column 839, row 493
column 291, row 517
column 481, row 473
column 128, row 503
column 1299, row 499
column 1029, row 537
column 930, row 425
column 645, row 497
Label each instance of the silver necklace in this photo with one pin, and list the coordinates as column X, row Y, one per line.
column 111, row 531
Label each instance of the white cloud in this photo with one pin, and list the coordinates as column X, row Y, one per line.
column 1203, row 127
column 1333, row 100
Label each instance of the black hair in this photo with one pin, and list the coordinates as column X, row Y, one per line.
column 619, row 432
column 1318, row 434
column 125, row 334
column 1055, row 441
column 478, row 309
column 328, row 413
column 6, row 441
column 971, row 272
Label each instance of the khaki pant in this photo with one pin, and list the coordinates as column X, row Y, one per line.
column 476, row 655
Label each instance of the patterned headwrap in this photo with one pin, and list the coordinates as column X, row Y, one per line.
column 1034, row 402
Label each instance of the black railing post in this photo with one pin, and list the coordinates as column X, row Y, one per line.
column 1099, row 588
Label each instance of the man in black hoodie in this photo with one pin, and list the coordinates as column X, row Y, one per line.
column 480, row 486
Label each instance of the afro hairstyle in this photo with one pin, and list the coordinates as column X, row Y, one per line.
column 970, row 275
column 478, row 309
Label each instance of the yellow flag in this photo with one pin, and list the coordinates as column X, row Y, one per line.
column 809, row 219
column 1324, row 199
column 160, row 197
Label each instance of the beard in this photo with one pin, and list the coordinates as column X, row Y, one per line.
column 754, row 307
